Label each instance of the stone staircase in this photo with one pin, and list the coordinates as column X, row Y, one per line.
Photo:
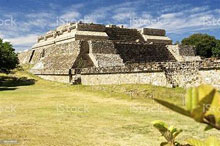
column 174, row 51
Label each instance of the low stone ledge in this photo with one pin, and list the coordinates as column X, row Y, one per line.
column 90, row 27
column 152, row 67
column 134, row 68
column 209, row 65
column 49, row 72
column 155, row 32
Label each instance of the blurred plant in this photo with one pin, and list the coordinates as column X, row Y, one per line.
column 169, row 133
column 202, row 104
column 211, row 141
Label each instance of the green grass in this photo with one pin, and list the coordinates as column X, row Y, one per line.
column 116, row 115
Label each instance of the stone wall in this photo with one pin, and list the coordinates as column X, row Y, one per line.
column 104, row 54
column 57, row 78
column 175, row 74
column 139, row 52
column 90, row 27
column 102, row 47
column 36, row 56
column 90, row 35
column 187, row 50
column 184, row 74
column 154, row 32
column 211, row 77
column 57, row 57
column 183, row 53
column 156, row 36
column 156, row 78
column 25, row 57
column 124, row 34
column 168, row 74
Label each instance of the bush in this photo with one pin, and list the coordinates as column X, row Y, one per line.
column 204, row 44
column 216, row 50
column 8, row 57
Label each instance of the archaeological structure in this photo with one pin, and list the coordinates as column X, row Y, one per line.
column 96, row 54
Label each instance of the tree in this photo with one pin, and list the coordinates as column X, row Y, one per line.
column 204, row 44
column 216, row 50
column 8, row 57
column 177, row 43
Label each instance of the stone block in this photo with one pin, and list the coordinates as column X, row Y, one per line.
column 153, row 32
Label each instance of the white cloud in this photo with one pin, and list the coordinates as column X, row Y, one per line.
column 77, row 6
column 118, row 12
column 1, row 35
column 174, row 18
column 70, row 16
column 124, row 16
column 98, row 14
column 27, row 40
column 188, row 20
column 39, row 15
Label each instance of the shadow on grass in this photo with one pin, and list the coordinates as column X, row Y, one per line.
column 6, row 82
column 7, row 88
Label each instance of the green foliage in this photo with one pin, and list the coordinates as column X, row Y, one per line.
column 201, row 97
column 169, row 133
column 204, row 44
column 202, row 104
column 211, row 141
column 177, row 43
column 216, row 50
column 8, row 57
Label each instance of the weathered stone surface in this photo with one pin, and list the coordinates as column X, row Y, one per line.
column 124, row 34
column 102, row 47
column 157, row 39
column 96, row 54
column 183, row 53
column 157, row 79
column 57, row 57
column 211, row 77
column 90, row 27
column 25, row 57
column 157, row 36
column 132, row 52
column 153, row 32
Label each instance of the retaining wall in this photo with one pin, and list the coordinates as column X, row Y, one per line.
column 168, row 74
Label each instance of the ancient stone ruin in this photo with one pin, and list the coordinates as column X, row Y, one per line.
column 94, row 54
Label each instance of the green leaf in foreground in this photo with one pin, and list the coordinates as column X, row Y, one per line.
column 169, row 133
column 202, row 104
column 211, row 141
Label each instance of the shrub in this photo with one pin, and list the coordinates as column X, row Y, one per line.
column 8, row 57
column 203, row 43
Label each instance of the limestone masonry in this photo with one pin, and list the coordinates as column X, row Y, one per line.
column 94, row 54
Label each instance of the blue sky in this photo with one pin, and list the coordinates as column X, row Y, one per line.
column 21, row 21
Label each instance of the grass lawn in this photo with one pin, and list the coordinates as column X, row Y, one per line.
column 35, row 112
